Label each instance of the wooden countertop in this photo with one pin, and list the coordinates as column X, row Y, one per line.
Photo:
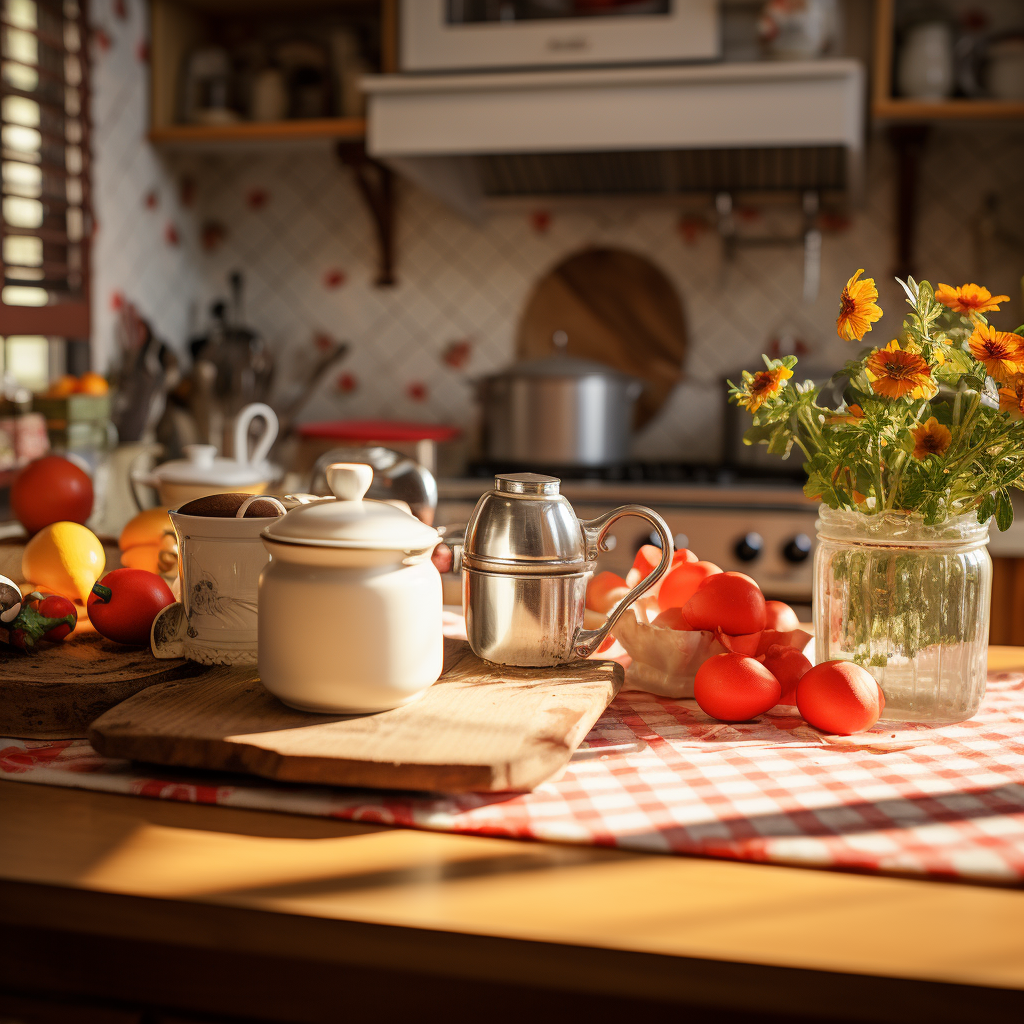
column 88, row 868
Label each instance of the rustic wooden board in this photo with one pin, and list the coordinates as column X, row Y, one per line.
column 480, row 728
column 55, row 691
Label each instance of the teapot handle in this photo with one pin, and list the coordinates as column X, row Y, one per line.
column 266, row 439
column 588, row 640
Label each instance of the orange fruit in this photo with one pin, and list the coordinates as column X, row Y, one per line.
column 147, row 527
column 62, row 387
column 92, row 383
column 66, row 558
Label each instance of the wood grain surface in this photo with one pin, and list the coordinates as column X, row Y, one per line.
column 57, row 690
column 480, row 728
column 617, row 308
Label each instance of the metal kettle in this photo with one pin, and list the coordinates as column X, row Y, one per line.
column 526, row 561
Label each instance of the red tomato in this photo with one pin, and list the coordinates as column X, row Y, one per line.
column 735, row 688
column 728, row 601
column 778, row 615
column 683, row 555
column 671, row 618
column 789, row 666
column 647, row 560
column 601, row 591
column 51, row 490
column 123, row 605
column 839, row 697
column 53, row 606
column 682, row 582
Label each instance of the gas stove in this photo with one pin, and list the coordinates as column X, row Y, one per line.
column 762, row 528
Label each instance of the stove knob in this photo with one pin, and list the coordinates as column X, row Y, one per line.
column 749, row 547
column 797, row 549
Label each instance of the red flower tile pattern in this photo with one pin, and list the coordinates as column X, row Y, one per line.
column 540, row 221
column 171, row 236
column 142, row 51
column 323, row 341
column 691, row 228
column 152, row 200
column 211, row 235
column 117, row 301
column 188, row 190
column 334, row 278
column 346, row 383
column 257, row 198
column 457, row 353
column 102, row 39
column 417, row 391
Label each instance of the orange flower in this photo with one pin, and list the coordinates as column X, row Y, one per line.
column 1000, row 351
column 765, row 383
column 899, row 374
column 858, row 308
column 852, row 414
column 1011, row 399
column 969, row 298
column 931, row 438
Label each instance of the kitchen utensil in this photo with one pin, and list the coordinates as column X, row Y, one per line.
column 350, row 602
column 798, row 29
column 396, row 477
column 220, row 561
column 925, row 69
column 269, row 97
column 558, row 411
column 525, row 567
column 1004, row 74
column 418, row 440
column 207, row 87
column 204, row 472
column 57, row 691
column 479, row 728
column 617, row 308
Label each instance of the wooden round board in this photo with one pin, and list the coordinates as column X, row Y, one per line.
column 58, row 690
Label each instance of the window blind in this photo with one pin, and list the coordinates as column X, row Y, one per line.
column 45, row 216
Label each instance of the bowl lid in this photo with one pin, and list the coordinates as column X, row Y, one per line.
column 349, row 521
column 204, row 466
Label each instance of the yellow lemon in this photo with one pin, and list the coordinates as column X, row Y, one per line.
column 146, row 528
column 65, row 558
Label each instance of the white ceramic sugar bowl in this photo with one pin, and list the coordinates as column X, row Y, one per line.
column 350, row 604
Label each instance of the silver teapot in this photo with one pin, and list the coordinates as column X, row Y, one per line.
column 526, row 561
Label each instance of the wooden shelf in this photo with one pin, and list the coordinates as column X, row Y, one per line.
column 328, row 129
column 893, row 109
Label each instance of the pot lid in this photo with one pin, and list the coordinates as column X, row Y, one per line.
column 204, row 466
column 349, row 521
column 563, row 365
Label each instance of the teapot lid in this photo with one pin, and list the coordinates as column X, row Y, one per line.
column 349, row 521
column 204, row 466
column 525, row 526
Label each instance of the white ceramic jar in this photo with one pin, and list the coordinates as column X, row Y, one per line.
column 350, row 604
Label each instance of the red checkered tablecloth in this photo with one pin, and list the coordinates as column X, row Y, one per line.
column 943, row 802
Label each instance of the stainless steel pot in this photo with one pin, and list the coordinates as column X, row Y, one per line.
column 525, row 565
column 558, row 411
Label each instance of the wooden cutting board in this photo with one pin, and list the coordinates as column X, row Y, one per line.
column 480, row 728
column 55, row 691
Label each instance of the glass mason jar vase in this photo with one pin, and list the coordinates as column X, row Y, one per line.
column 910, row 603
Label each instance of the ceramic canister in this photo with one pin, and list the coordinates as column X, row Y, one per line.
column 220, row 560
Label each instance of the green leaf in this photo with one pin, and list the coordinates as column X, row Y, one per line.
column 1004, row 511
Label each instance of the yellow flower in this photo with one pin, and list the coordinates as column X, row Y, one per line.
column 899, row 374
column 764, row 384
column 1000, row 351
column 1011, row 399
column 931, row 438
column 969, row 298
column 858, row 308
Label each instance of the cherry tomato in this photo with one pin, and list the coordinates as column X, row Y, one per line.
column 789, row 666
column 735, row 688
column 604, row 590
column 778, row 615
column 53, row 606
column 51, row 490
column 839, row 697
column 728, row 601
column 123, row 605
column 682, row 582
column 672, row 618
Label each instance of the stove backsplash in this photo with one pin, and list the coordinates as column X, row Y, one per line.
column 172, row 227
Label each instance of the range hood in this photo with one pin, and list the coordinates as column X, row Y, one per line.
column 473, row 138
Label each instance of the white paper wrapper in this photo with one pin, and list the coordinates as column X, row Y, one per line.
column 665, row 661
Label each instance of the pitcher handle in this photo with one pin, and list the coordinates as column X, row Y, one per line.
column 588, row 640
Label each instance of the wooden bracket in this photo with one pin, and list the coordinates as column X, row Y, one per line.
column 376, row 185
column 909, row 141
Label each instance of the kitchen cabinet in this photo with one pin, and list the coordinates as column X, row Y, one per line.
column 886, row 106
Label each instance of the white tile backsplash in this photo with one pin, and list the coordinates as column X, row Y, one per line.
column 295, row 225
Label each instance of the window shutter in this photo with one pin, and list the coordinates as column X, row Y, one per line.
column 45, row 220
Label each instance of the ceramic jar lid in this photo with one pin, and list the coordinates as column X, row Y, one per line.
column 350, row 521
column 204, row 466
